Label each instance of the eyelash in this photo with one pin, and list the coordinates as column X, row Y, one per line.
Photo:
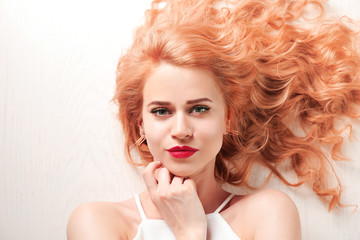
column 157, row 110
column 202, row 109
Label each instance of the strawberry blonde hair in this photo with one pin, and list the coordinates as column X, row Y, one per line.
column 279, row 64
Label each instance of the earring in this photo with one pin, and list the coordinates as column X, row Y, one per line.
column 232, row 132
column 141, row 139
column 229, row 131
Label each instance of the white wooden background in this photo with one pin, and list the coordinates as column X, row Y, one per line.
column 60, row 142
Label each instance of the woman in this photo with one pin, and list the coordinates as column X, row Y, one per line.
column 210, row 89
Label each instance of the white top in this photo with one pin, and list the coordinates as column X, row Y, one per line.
column 217, row 227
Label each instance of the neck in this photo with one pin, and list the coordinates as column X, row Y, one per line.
column 209, row 190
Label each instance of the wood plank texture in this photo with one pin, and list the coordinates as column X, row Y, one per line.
column 60, row 142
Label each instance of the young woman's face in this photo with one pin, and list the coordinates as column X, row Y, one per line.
column 183, row 107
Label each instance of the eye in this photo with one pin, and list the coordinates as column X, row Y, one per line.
column 160, row 111
column 199, row 109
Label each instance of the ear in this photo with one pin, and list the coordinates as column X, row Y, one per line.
column 141, row 127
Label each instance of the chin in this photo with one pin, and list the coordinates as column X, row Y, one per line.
column 180, row 171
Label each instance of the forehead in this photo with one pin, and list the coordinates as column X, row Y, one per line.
column 170, row 82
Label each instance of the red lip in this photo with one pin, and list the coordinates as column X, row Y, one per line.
column 182, row 151
column 182, row 148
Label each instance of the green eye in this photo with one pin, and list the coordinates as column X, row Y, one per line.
column 160, row 111
column 199, row 109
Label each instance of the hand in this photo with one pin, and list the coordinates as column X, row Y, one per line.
column 177, row 202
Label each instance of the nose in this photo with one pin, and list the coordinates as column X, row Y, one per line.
column 181, row 128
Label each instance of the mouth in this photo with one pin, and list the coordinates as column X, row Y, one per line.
column 182, row 151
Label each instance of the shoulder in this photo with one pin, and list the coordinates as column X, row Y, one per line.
column 268, row 214
column 103, row 220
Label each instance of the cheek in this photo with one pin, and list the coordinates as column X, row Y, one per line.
column 155, row 133
column 212, row 133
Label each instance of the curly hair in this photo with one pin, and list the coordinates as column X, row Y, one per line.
column 278, row 63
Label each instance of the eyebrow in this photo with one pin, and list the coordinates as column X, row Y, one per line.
column 198, row 100
column 188, row 102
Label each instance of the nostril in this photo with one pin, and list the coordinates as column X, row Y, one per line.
column 181, row 136
column 181, row 129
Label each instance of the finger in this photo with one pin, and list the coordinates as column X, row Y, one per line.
column 177, row 180
column 148, row 176
column 189, row 182
column 156, row 174
column 164, row 179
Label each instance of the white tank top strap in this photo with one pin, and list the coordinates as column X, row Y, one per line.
column 139, row 206
column 224, row 203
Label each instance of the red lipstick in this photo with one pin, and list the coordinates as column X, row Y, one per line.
column 182, row 151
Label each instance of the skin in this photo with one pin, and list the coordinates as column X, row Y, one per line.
column 178, row 189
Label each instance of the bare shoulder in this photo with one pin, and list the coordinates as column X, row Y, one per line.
column 267, row 214
column 103, row 220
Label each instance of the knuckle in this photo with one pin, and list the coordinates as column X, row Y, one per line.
column 175, row 193
column 146, row 170
column 163, row 171
column 155, row 199
column 162, row 196
column 145, row 176
column 189, row 188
